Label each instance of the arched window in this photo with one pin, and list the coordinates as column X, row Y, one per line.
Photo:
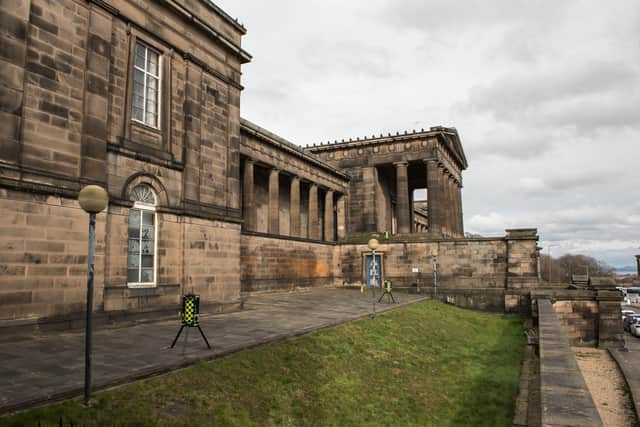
column 141, row 259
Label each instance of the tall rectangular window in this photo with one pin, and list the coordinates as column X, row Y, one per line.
column 141, row 258
column 146, row 85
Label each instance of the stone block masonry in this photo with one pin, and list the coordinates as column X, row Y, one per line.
column 43, row 256
column 588, row 317
column 67, row 95
column 476, row 273
column 271, row 263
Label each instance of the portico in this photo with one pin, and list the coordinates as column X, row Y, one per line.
column 389, row 172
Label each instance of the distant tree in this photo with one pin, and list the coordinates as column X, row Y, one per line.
column 564, row 267
column 583, row 264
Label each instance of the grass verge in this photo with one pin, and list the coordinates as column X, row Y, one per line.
column 424, row 364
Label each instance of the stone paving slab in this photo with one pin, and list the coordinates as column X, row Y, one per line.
column 51, row 367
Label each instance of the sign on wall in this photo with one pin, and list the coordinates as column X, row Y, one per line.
column 373, row 271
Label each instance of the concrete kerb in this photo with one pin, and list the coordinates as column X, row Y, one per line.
column 633, row 384
column 189, row 361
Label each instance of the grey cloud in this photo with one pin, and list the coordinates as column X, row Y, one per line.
column 510, row 142
column 345, row 57
column 460, row 16
column 586, row 96
column 578, row 178
column 531, row 87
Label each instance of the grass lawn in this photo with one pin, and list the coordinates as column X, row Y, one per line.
column 425, row 364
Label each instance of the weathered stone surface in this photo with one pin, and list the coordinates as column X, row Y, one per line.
column 565, row 398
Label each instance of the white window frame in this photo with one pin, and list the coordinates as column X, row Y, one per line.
column 144, row 89
column 148, row 208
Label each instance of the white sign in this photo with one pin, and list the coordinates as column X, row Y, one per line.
column 415, row 270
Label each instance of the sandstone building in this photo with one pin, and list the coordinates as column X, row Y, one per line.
column 143, row 98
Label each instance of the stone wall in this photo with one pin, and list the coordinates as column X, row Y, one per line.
column 475, row 273
column 43, row 256
column 279, row 263
column 193, row 255
column 43, row 260
column 66, row 70
column 66, row 100
column 588, row 317
column 488, row 273
column 564, row 396
column 579, row 320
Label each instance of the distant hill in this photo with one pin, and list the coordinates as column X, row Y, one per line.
column 629, row 269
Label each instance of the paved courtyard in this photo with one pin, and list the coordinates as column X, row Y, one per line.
column 52, row 367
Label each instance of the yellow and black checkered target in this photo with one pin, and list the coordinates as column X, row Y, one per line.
column 190, row 309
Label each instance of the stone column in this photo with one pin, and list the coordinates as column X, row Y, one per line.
column 453, row 210
column 403, row 216
column 460, row 214
column 448, row 211
column 295, row 207
column 445, row 203
column 248, row 206
column 274, row 198
column 328, row 216
column 314, row 229
column 435, row 195
column 341, row 208
column 454, row 206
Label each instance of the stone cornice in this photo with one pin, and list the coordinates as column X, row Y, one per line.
column 446, row 136
column 179, row 9
column 288, row 147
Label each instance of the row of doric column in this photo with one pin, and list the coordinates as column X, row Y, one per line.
column 314, row 226
column 444, row 195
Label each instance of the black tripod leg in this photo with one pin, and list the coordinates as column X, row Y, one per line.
column 381, row 296
column 392, row 298
column 205, row 338
column 177, row 336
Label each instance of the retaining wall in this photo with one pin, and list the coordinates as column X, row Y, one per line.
column 564, row 396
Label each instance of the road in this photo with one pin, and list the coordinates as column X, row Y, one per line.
column 632, row 343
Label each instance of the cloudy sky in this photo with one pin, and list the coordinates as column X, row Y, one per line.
column 545, row 96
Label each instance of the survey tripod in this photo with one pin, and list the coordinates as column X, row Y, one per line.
column 189, row 315
column 387, row 292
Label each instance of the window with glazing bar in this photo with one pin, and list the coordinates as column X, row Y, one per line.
column 146, row 85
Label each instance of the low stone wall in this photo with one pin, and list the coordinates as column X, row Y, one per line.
column 493, row 274
column 565, row 398
column 588, row 317
column 281, row 263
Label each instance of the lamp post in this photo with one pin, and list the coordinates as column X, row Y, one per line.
column 373, row 274
column 434, row 266
column 92, row 199
column 549, row 260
